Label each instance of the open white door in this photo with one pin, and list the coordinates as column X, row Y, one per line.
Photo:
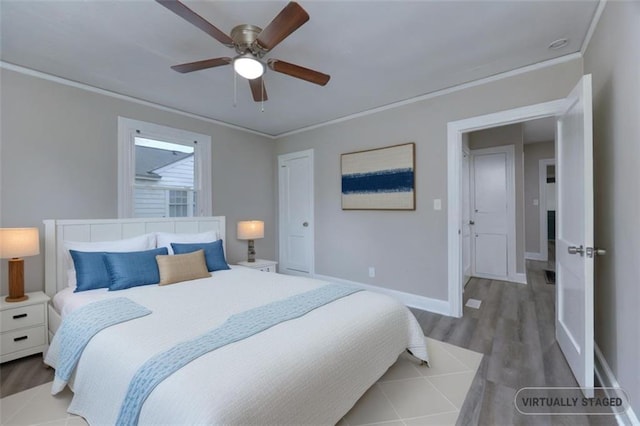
column 574, row 233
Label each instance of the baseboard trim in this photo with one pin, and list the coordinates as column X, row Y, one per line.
column 608, row 380
column 535, row 256
column 423, row 303
column 520, row 278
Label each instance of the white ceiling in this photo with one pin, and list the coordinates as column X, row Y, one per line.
column 377, row 52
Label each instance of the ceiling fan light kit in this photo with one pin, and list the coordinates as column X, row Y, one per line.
column 251, row 43
column 248, row 66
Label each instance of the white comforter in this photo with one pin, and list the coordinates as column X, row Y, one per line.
column 310, row 370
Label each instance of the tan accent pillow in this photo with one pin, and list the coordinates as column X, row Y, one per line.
column 182, row 267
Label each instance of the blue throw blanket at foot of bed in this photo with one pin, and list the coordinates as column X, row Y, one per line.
column 81, row 325
column 235, row 328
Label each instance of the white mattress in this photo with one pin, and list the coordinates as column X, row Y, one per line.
column 310, row 370
column 66, row 301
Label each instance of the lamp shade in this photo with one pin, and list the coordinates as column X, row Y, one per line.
column 19, row 242
column 250, row 229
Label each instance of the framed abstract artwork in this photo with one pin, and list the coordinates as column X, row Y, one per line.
column 379, row 179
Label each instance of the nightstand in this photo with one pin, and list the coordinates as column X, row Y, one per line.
column 23, row 327
column 261, row 265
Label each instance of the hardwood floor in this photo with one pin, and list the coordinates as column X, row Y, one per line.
column 22, row 374
column 514, row 328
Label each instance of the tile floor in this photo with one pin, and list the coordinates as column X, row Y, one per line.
column 406, row 395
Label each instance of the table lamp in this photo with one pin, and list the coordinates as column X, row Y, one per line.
column 16, row 243
column 251, row 230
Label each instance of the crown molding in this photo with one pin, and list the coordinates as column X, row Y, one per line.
column 431, row 95
column 49, row 77
column 592, row 27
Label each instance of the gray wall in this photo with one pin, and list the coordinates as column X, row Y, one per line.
column 59, row 161
column 613, row 58
column 408, row 248
column 533, row 153
column 500, row 136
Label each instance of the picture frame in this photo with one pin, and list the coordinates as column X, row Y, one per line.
column 379, row 179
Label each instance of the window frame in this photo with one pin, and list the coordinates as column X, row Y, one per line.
column 128, row 129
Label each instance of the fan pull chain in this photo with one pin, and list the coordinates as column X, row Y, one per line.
column 262, row 94
column 235, row 88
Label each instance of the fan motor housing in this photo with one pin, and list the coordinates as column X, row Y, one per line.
column 244, row 37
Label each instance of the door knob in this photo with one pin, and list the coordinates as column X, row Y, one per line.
column 576, row 250
column 471, row 222
column 593, row 251
column 305, row 224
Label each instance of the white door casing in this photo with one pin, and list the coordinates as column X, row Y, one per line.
column 296, row 207
column 580, row 355
column 493, row 211
column 466, row 217
column 574, row 228
column 455, row 131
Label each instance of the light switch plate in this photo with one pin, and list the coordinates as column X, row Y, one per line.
column 437, row 204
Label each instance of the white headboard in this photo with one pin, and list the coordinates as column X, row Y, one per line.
column 58, row 231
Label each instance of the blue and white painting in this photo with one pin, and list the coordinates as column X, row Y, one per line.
column 379, row 179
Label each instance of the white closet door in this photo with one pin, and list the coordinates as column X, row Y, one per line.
column 295, row 176
column 491, row 210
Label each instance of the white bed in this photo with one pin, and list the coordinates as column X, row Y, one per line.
column 94, row 230
column 310, row 370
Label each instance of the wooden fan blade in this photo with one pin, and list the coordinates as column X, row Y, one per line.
column 257, row 86
column 287, row 21
column 299, row 72
column 194, row 19
column 201, row 65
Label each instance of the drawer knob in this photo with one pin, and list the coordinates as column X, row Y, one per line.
column 17, row 339
column 20, row 316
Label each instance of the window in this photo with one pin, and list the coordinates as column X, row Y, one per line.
column 163, row 172
column 179, row 205
column 164, row 179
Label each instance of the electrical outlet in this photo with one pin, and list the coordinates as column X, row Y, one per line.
column 372, row 272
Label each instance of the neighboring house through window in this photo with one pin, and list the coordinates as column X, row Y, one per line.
column 163, row 172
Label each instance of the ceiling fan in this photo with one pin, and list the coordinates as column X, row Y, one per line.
column 251, row 44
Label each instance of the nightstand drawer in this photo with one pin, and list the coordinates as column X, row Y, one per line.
column 271, row 268
column 260, row 265
column 13, row 341
column 21, row 317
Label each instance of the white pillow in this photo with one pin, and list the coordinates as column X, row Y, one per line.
column 164, row 239
column 140, row 243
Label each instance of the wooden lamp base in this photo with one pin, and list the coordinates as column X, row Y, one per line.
column 16, row 281
column 252, row 252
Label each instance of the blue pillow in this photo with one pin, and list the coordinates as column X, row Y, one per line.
column 213, row 253
column 91, row 272
column 134, row 268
